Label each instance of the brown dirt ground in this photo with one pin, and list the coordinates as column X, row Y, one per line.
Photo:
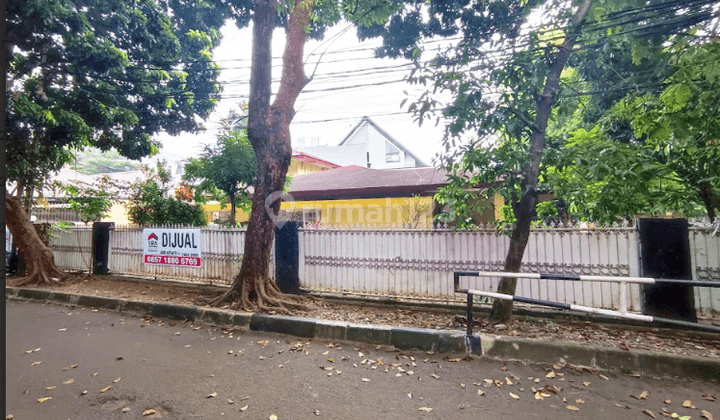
column 553, row 329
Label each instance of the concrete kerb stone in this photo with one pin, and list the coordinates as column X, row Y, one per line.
column 34, row 294
column 495, row 347
column 654, row 364
column 177, row 312
column 138, row 308
column 372, row 334
column 283, row 324
column 64, row 298
column 215, row 316
column 99, row 302
column 331, row 330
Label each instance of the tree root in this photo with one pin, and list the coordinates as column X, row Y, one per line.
column 265, row 296
column 40, row 277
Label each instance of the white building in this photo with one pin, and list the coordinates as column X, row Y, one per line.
column 369, row 146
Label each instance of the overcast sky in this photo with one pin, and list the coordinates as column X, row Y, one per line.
column 349, row 83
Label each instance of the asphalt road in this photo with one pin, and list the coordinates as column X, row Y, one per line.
column 174, row 368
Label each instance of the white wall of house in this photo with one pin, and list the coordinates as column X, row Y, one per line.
column 365, row 145
column 352, row 154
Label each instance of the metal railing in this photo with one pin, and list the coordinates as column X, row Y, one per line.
column 621, row 313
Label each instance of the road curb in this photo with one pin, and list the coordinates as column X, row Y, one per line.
column 444, row 341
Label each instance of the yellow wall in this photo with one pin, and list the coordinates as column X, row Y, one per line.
column 368, row 212
column 117, row 214
column 418, row 212
column 302, row 168
column 211, row 209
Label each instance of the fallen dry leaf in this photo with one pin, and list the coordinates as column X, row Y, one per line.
column 272, row 417
column 35, row 363
column 706, row 414
column 586, row 383
column 435, row 376
column 365, row 380
column 73, row 366
column 430, row 352
column 538, row 396
column 148, row 412
column 550, row 374
column 104, row 390
column 69, row 381
column 603, row 377
column 514, row 396
column 552, row 388
column 9, row 417
column 481, row 392
column 213, row 395
column 708, row 397
column 572, row 408
column 84, row 392
column 244, row 407
column 425, row 409
column 117, row 380
column 667, row 402
column 508, row 381
column 688, row 404
column 43, row 399
column 649, row 413
column 230, row 401
column 580, row 401
column 643, row 396
column 50, row 387
column 125, row 409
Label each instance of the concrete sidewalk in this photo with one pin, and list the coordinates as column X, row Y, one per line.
column 446, row 341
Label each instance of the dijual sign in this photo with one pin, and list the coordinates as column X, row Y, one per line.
column 175, row 247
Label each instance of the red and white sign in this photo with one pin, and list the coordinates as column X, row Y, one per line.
column 175, row 247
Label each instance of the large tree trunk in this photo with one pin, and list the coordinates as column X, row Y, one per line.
column 710, row 199
column 39, row 260
column 525, row 208
column 269, row 134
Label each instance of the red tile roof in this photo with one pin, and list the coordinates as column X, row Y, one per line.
column 358, row 182
column 305, row 157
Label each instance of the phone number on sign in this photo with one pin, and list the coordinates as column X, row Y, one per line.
column 181, row 261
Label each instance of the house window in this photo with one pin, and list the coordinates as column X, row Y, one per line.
column 392, row 153
column 309, row 218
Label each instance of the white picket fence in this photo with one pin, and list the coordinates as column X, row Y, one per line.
column 420, row 263
column 72, row 247
column 222, row 251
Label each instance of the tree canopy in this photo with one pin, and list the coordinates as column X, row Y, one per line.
column 225, row 171
column 152, row 203
column 111, row 74
column 516, row 75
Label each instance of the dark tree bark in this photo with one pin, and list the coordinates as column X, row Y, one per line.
column 710, row 200
column 525, row 209
column 269, row 134
column 39, row 260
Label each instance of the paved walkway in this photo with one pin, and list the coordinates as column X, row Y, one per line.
column 172, row 367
